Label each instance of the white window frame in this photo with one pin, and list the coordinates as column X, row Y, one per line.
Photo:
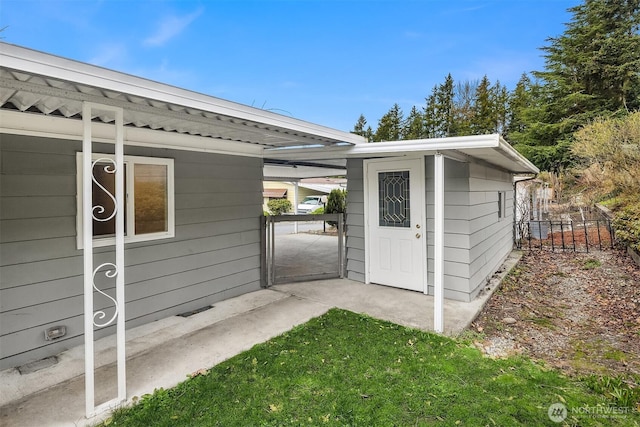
column 129, row 165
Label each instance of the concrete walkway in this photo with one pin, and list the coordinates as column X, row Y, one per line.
column 304, row 255
column 163, row 353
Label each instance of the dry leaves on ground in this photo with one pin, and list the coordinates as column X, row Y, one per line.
column 579, row 312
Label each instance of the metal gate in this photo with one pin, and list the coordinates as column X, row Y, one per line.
column 293, row 257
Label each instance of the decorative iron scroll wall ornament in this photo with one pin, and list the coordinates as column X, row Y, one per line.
column 112, row 270
column 100, row 314
column 109, row 168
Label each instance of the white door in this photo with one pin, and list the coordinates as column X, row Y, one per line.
column 396, row 223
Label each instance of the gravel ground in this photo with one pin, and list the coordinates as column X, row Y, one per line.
column 578, row 312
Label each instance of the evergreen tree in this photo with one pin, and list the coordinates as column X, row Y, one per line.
column 414, row 126
column 500, row 102
column 361, row 128
column 439, row 111
column 591, row 70
column 431, row 124
column 483, row 118
column 390, row 125
column 520, row 99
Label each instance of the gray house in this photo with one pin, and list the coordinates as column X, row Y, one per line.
column 132, row 201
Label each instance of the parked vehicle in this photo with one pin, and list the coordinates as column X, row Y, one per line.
column 310, row 204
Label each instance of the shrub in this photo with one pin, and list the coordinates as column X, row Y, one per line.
column 279, row 206
column 336, row 203
column 626, row 222
column 318, row 211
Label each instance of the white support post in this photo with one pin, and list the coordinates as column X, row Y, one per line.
column 295, row 205
column 438, row 273
column 120, row 232
column 87, row 230
column 115, row 270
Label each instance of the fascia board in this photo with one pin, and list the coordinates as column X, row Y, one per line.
column 448, row 146
column 31, row 61
column 511, row 152
column 390, row 148
column 283, row 173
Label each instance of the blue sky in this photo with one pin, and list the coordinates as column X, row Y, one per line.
column 324, row 61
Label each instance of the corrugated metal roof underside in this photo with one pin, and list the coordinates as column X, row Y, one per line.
column 43, row 95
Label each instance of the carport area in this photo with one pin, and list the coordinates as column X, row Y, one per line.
column 302, row 248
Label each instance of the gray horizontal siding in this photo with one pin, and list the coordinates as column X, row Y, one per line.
column 214, row 255
column 475, row 240
column 355, row 221
column 30, row 342
column 456, row 227
column 491, row 237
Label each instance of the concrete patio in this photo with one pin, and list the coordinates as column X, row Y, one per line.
column 164, row 353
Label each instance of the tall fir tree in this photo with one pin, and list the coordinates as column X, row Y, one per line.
column 430, row 114
column 482, row 121
column 591, row 70
column 520, row 99
column 500, row 102
column 390, row 125
column 361, row 128
column 414, row 125
column 439, row 111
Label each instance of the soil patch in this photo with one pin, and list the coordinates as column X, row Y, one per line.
column 578, row 312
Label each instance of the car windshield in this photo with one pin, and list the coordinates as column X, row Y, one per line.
column 310, row 200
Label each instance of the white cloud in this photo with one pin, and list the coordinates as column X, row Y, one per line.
column 170, row 27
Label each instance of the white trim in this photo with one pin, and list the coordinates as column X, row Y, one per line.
column 474, row 146
column 32, row 61
column 507, row 149
column 87, row 253
column 85, row 208
column 19, row 123
column 129, row 165
column 119, row 242
column 400, row 148
column 438, row 243
column 367, row 238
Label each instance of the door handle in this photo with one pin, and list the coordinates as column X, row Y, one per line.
column 417, row 225
column 418, row 235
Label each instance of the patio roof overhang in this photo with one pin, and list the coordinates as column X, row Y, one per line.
column 491, row 149
column 44, row 85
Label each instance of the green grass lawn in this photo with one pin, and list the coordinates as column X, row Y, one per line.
column 346, row 369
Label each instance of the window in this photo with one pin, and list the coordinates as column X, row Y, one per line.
column 501, row 204
column 393, row 199
column 149, row 199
